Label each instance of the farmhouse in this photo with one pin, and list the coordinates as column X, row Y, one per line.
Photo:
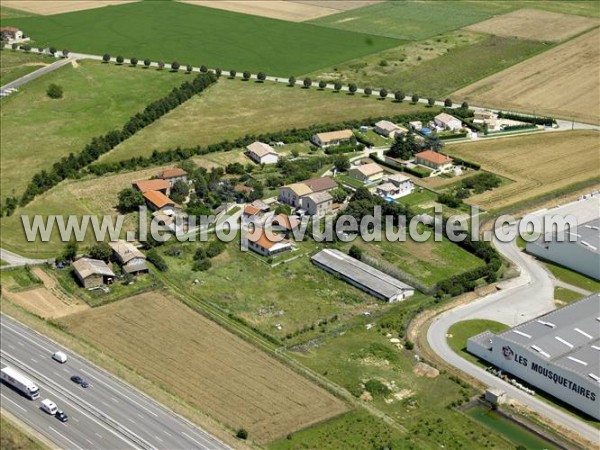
column 395, row 186
column 11, row 34
column 262, row 153
column 131, row 259
column 556, row 352
column 292, row 193
column 362, row 275
column 173, row 175
column 447, row 122
column 388, row 129
column 332, row 138
column 486, row 117
column 153, row 185
column 581, row 255
column 157, row 201
column 259, row 242
column 366, row 173
column 92, row 272
column 433, row 160
column 317, row 204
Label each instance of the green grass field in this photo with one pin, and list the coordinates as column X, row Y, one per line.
column 97, row 98
column 14, row 65
column 461, row 331
column 196, row 35
column 234, row 108
column 417, row 403
column 572, row 277
column 564, row 295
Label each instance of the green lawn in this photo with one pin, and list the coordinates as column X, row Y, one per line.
column 174, row 31
column 234, row 108
column 37, row 131
column 348, row 181
column 564, row 295
column 460, row 332
column 572, row 277
column 20, row 278
column 417, row 403
column 14, row 65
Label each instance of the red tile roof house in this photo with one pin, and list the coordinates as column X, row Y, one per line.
column 261, row 244
column 173, row 175
column 433, row 160
column 11, row 34
column 253, row 213
column 159, row 185
column 157, row 201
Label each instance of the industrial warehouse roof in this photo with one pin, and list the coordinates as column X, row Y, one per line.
column 361, row 273
column 568, row 337
column 587, row 235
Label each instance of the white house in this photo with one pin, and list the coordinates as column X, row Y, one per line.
column 447, row 122
column 395, row 186
column 332, row 138
column 262, row 153
column 318, row 204
column 259, row 242
column 416, row 125
column 12, row 35
column 292, row 193
column 486, row 117
column 388, row 129
column 366, row 173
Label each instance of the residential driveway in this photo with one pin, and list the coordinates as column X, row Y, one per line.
column 36, row 74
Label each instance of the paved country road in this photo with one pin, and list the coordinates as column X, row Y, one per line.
column 15, row 260
column 108, row 415
column 522, row 299
column 36, row 74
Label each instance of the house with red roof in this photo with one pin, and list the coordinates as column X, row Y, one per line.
column 433, row 160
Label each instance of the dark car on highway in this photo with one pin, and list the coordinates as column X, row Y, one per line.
column 60, row 415
column 77, row 379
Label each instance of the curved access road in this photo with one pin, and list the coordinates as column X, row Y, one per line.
column 519, row 300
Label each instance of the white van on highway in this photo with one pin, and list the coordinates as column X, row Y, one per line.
column 49, row 406
column 61, row 357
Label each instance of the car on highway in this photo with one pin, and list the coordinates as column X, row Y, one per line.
column 60, row 415
column 80, row 381
column 49, row 406
column 61, row 357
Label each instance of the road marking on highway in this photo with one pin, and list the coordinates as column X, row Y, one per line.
column 34, row 360
column 76, row 419
column 166, row 432
column 132, row 421
column 158, row 439
column 192, row 439
column 65, row 370
column 14, row 403
column 114, row 400
column 11, row 347
column 104, row 403
column 140, row 416
column 20, row 343
column 99, row 435
column 66, row 438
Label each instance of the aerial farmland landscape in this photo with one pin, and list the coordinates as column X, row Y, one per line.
column 299, row 224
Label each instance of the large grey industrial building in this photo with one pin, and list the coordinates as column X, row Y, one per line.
column 558, row 353
column 582, row 255
column 363, row 276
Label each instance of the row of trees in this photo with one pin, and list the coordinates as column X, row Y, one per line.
column 71, row 165
column 175, row 66
column 28, row 48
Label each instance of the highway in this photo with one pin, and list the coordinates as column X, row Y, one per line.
column 109, row 414
column 521, row 299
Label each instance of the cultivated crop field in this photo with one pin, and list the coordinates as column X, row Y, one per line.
column 97, row 98
column 538, row 164
column 234, row 108
column 189, row 34
column 48, row 7
column 225, row 376
column 15, row 65
column 547, row 83
column 535, row 24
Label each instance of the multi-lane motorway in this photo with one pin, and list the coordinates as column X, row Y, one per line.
column 109, row 414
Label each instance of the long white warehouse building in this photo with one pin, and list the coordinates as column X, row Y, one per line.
column 558, row 353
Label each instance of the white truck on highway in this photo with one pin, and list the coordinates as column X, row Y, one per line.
column 20, row 382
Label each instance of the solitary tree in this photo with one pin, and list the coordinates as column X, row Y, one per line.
column 189, row 68
column 175, row 66
column 352, row 88
column 179, row 191
column 161, row 65
column 448, row 103
column 246, row 75
column 261, row 76
column 355, row 252
column 65, row 52
column 53, row 50
column 54, row 91
column 120, row 59
column 70, row 251
column 129, row 200
column 399, row 96
column 341, row 163
column 292, row 81
column 383, row 93
column 368, row 91
column 134, row 61
column 147, row 62
column 242, row 434
column 203, row 68
column 307, row 83
column 415, row 98
column 106, row 58
column 337, row 86
column 232, row 73
column 322, row 84
column 101, row 251
column 431, row 101
column 464, row 105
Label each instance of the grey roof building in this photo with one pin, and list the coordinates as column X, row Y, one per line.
column 363, row 276
column 582, row 255
column 558, row 352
